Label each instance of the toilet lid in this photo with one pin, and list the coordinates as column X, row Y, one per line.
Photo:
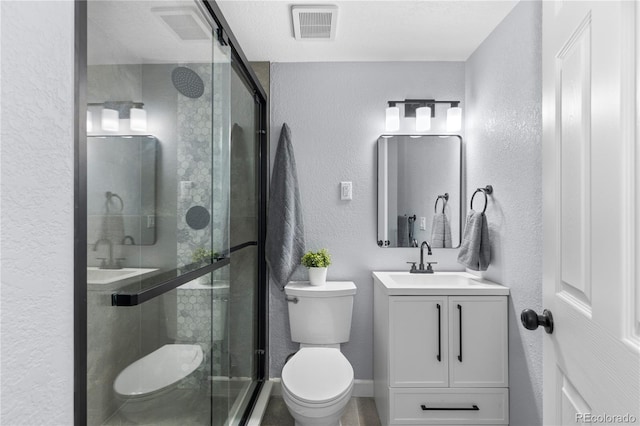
column 317, row 375
column 158, row 370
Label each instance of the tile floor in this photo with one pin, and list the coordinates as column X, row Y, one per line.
column 360, row 412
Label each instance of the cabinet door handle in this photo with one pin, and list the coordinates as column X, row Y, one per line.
column 474, row 407
column 460, row 331
column 439, row 333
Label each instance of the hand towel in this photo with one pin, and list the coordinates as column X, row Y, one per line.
column 403, row 231
column 440, row 231
column 475, row 252
column 285, row 244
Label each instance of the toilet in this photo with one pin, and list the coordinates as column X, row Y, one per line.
column 317, row 382
column 147, row 387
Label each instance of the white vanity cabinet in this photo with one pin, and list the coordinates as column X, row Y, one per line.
column 440, row 353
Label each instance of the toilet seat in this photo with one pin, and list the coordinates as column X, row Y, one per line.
column 317, row 376
column 159, row 370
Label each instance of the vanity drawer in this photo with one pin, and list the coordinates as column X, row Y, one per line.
column 479, row 406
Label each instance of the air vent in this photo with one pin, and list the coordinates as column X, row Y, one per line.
column 185, row 22
column 314, row 22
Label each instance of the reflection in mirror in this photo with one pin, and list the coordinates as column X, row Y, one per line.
column 419, row 190
column 121, row 189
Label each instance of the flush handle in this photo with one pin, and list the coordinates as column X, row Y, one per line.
column 531, row 320
column 292, row 299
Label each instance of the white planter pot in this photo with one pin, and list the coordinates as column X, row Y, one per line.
column 317, row 276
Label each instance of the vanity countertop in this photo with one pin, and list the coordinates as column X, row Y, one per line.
column 439, row 283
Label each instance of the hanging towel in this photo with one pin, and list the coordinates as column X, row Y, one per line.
column 285, row 229
column 440, row 231
column 403, row 231
column 475, row 252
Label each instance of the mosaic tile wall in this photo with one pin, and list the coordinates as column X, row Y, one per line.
column 203, row 180
column 203, row 164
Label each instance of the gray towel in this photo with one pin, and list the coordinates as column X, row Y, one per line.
column 285, row 229
column 403, row 231
column 475, row 252
column 440, row 231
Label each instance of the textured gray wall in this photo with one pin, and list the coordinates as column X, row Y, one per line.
column 37, row 212
column 504, row 149
column 336, row 113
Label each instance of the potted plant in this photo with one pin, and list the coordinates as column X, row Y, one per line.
column 317, row 263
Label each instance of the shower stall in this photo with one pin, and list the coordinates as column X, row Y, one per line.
column 171, row 188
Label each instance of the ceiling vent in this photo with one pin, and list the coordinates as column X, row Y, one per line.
column 185, row 22
column 314, row 22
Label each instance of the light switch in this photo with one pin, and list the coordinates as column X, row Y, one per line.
column 346, row 191
column 423, row 223
column 185, row 189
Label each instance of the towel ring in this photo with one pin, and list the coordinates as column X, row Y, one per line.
column 111, row 195
column 444, row 198
column 487, row 190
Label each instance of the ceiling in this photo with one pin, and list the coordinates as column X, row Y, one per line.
column 383, row 30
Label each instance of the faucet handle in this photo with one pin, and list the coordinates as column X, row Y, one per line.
column 413, row 266
column 119, row 261
column 429, row 268
column 103, row 264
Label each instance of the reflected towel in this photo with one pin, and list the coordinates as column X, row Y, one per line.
column 403, row 231
column 475, row 252
column 440, row 231
column 285, row 244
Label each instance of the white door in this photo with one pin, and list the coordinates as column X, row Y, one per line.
column 590, row 187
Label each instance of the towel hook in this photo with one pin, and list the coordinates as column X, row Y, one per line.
column 111, row 195
column 487, row 190
column 444, row 198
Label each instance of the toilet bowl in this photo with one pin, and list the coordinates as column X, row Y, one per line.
column 317, row 384
column 147, row 387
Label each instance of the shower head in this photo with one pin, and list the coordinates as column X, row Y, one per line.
column 187, row 82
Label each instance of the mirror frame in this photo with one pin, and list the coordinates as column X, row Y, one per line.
column 385, row 244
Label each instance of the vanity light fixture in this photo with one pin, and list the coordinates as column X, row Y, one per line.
column 423, row 110
column 114, row 111
column 454, row 119
column 392, row 118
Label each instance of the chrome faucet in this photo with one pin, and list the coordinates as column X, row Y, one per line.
column 421, row 269
column 110, row 264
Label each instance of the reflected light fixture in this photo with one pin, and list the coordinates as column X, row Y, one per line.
column 114, row 111
column 138, row 121
column 110, row 120
column 89, row 121
column 423, row 110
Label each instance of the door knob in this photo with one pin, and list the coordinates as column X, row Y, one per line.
column 531, row 320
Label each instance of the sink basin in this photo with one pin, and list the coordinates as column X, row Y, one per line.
column 439, row 283
column 107, row 276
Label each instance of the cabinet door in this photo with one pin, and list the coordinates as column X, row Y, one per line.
column 478, row 341
column 418, row 349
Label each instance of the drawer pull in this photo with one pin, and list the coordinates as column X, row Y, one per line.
column 474, row 407
column 439, row 357
column 460, row 331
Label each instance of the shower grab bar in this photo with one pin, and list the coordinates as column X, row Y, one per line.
column 158, row 285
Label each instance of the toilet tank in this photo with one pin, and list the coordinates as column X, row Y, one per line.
column 322, row 315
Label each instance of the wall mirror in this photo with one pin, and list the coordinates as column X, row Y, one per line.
column 121, row 189
column 419, row 190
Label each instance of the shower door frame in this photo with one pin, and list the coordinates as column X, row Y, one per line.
column 80, row 207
